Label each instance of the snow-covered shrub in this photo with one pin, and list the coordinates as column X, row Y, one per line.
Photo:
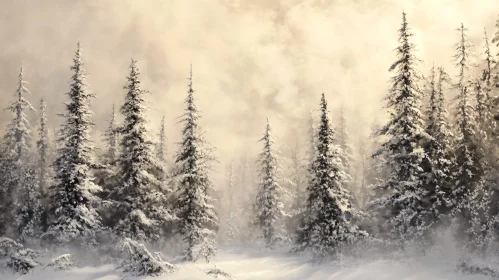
column 63, row 262
column 467, row 268
column 21, row 259
column 140, row 262
column 216, row 272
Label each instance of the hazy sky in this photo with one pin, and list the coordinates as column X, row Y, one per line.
column 251, row 58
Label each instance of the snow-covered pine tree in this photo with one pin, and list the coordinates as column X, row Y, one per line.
column 482, row 224
column 111, row 137
column 198, row 219
column 486, row 124
column 438, row 149
column 140, row 208
column 402, row 195
column 106, row 175
column 161, row 145
column 43, row 149
column 347, row 160
column 343, row 142
column 45, row 172
column 28, row 222
column 494, row 74
column 468, row 159
column 269, row 208
column 73, row 216
column 298, row 176
column 325, row 228
column 161, row 154
column 14, row 164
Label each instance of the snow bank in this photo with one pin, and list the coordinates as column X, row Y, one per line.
column 251, row 263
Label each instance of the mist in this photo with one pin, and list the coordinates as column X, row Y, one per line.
column 251, row 59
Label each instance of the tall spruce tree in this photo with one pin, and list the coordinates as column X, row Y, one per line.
column 469, row 160
column 111, row 137
column 325, row 228
column 494, row 74
column 45, row 172
column 43, row 147
column 140, row 208
column 161, row 154
column 269, row 208
column 17, row 167
column 486, row 124
column 347, row 158
column 161, row 145
column 438, row 149
column 73, row 199
column 198, row 219
column 402, row 195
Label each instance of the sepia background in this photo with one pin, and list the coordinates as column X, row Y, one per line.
column 251, row 58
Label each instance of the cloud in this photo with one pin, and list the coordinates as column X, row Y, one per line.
column 251, row 59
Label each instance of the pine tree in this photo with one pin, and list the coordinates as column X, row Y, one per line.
column 28, row 221
column 43, row 149
column 15, row 154
column 140, row 209
column 74, row 219
column 402, row 194
column 268, row 205
column 161, row 145
column 346, row 157
column 469, row 163
column 299, row 179
column 198, row 220
column 325, row 227
column 112, row 139
column 482, row 223
column 161, row 154
column 486, row 124
column 494, row 74
column 44, row 169
column 343, row 142
column 438, row 149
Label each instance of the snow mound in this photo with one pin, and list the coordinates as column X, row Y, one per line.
column 60, row 263
column 216, row 272
column 140, row 262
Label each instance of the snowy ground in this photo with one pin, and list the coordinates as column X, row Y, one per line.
column 244, row 263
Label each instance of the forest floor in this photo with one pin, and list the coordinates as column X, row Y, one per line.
column 258, row 264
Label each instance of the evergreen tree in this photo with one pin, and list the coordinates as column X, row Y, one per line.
column 486, row 124
column 112, row 139
column 494, row 74
column 161, row 145
column 325, row 227
column 343, row 142
column 45, row 171
column 402, row 195
column 43, row 149
column 469, row 163
column 438, row 149
column 347, row 160
column 198, row 220
column 482, row 223
column 299, row 179
column 140, row 209
column 28, row 221
column 72, row 201
column 106, row 175
column 161, row 154
column 268, row 206
column 15, row 154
